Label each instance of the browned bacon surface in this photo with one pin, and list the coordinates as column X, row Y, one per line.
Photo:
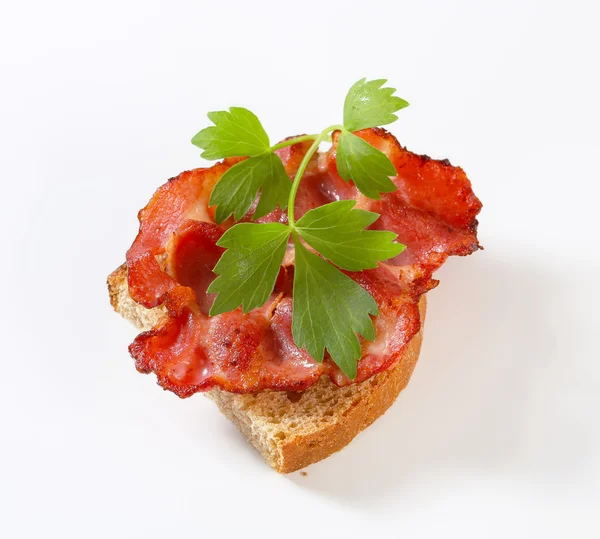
column 433, row 212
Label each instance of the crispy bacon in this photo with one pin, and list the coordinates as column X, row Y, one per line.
column 181, row 198
column 433, row 212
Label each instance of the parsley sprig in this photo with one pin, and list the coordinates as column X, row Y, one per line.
column 330, row 310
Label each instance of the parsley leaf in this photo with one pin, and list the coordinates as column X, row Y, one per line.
column 249, row 267
column 237, row 132
column 337, row 232
column 365, row 165
column 329, row 309
column 237, row 189
column 369, row 105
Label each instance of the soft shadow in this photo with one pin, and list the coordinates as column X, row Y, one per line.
column 484, row 394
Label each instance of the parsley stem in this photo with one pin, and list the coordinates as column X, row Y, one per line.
column 304, row 163
column 292, row 141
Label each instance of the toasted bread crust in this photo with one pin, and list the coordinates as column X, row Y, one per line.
column 293, row 433
column 301, row 451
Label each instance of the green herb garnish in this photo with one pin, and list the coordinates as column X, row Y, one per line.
column 329, row 308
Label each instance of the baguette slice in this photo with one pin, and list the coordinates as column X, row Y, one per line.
column 292, row 430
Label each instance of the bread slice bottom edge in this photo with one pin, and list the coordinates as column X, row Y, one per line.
column 292, row 430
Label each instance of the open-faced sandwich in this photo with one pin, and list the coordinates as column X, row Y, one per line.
column 288, row 284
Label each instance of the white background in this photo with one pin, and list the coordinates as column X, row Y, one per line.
column 497, row 434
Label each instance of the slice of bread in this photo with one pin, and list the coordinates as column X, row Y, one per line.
column 293, row 430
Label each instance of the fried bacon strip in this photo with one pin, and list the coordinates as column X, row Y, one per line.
column 433, row 212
